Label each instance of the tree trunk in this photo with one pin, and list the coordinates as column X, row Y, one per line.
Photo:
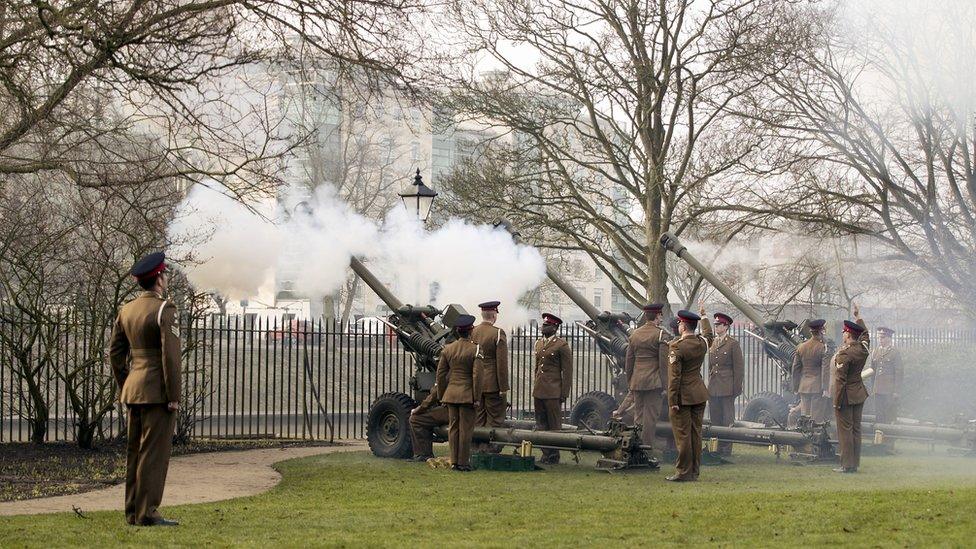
column 328, row 307
column 350, row 299
column 85, row 434
column 39, row 415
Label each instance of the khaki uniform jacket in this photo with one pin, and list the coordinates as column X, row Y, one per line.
column 145, row 351
column 848, row 387
column 646, row 361
column 430, row 402
column 491, row 364
column 809, row 372
column 685, row 357
column 553, row 369
column 726, row 367
column 888, row 371
column 455, row 373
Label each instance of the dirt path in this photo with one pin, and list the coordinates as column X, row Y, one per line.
column 196, row 478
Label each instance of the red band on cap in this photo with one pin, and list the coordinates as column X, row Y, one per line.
column 154, row 272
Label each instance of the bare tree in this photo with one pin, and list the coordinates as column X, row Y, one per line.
column 176, row 70
column 613, row 135
column 877, row 138
column 33, row 275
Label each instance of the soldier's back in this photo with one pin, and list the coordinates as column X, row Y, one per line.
column 141, row 319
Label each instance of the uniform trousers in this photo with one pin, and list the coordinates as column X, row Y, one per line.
column 886, row 408
column 647, row 405
column 848, row 418
column 491, row 413
column 460, row 425
column 626, row 411
column 815, row 405
column 548, row 417
column 686, row 424
column 422, row 425
column 721, row 412
column 149, row 441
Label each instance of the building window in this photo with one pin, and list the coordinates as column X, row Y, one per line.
column 598, row 297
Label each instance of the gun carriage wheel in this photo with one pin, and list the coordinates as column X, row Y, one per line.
column 388, row 426
column 593, row 410
column 768, row 408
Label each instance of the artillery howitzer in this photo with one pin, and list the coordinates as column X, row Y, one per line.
column 611, row 332
column 777, row 338
column 388, row 427
column 423, row 336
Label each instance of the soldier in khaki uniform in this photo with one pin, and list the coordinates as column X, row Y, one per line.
column 146, row 361
column 426, row 417
column 491, row 368
column 646, row 368
column 811, row 373
column 888, row 375
column 553, row 380
column 687, row 393
column 726, row 373
column 849, row 391
column 455, row 388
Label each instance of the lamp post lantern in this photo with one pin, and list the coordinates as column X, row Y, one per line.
column 418, row 198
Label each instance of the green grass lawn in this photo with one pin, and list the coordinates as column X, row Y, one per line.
column 357, row 500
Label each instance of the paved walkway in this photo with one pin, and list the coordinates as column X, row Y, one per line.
column 195, row 478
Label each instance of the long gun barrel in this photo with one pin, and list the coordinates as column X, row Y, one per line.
column 778, row 343
column 672, row 244
column 374, row 283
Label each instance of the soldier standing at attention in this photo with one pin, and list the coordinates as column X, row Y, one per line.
column 491, row 367
column 146, row 362
column 810, row 379
column 553, row 380
column 726, row 372
column 849, row 391
column 687, row 394
column 426, row 417
column 645, row 361
column 888, row 375
column 455, row 388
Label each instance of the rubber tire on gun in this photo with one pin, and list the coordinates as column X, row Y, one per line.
column 594, row 409
column 388, row 426
column 766, row 407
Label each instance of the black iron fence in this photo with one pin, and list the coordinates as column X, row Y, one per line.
column 292, row 379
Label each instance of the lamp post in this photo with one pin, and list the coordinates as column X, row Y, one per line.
column 418, row 198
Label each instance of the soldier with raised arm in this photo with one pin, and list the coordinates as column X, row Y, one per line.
column 849, row 391
column 687, row 393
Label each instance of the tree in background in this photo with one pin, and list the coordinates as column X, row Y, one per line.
column 612, row 119
column 872, row 133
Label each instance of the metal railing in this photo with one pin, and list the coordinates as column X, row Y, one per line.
column 291, row 379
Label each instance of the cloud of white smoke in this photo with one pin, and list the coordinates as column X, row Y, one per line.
column 235, row 252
